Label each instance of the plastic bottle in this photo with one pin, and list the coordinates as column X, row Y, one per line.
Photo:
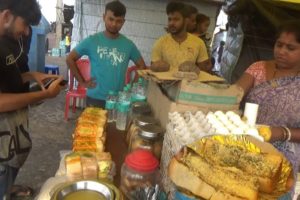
column 140, row 91
column 133, row 92
column 110, row 106
column 122, row 115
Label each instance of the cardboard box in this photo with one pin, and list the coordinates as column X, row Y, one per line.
column 214, row 96
column 209, row 101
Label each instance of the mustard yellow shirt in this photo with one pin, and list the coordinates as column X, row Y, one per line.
column 167, row 49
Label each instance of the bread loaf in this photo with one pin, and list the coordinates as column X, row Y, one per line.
column 184, row 178
column 231, row 180
column 266, row 167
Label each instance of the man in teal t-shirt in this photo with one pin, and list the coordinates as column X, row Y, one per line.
column 109, row 53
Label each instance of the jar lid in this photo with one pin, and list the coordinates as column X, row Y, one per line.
column 151, row 131
column 141, row 108
column 144, row 120
column 141, row 160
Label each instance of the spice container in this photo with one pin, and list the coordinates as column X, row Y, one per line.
column 139, row 171
column 139, row 109
column 148, row 137
column 138, row 122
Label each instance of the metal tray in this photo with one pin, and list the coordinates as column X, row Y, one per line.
column 103, row 191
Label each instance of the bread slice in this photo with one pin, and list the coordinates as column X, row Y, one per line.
column 73, row 165
column 229, row 179
column 184, row 178
column 266, row 167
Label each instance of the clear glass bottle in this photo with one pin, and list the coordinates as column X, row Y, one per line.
column 149, row 137
column 140, row 170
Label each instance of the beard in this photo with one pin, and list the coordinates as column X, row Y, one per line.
column 112, row 31
column 174, row 30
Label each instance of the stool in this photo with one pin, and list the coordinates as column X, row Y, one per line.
column 54, row 69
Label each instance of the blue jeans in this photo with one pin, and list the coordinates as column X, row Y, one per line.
column 7, row 178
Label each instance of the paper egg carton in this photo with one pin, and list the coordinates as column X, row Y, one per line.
column 192, row 126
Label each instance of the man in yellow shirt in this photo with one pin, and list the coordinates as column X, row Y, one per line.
column 178, row 46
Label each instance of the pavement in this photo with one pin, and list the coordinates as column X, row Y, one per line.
column 50, row 134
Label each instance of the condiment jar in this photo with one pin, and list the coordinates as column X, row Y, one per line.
column 138, row 122
column 149, row 137
column 140, row 170
column 138, row 109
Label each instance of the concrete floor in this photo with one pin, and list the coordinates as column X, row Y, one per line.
column 50, row 134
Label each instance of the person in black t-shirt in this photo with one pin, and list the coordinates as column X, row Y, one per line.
column 16, row 16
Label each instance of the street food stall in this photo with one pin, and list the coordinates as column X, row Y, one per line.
column 181, row 147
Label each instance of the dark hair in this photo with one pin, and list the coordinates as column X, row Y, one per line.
column 292, row 26
column 117, row 8
column 175, row 6
column 200, row 18
column 191, row 10
column 29, row 10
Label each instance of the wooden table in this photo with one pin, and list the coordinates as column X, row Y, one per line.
column 116, row 145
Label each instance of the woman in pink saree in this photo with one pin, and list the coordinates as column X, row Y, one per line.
column 275, row 86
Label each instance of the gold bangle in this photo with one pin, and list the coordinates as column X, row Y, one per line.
column 288, row 133
column 285, row 134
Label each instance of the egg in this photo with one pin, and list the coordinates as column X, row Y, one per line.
column 237, row 131
column 222, row 130
column 211, row 131
column 199, row 113
column 219, row 113
column 252, row 131
column 234, row 118
column 200, row 117
column 244, row 126
column 217, row 124
column 194, row 127
column 206, row 127
column 238, row 122
column 213, row 121
column 230, row 113
column 211, row 116
column 224, row 119
column 230, row 127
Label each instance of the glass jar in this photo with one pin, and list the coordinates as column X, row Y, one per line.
column 148, row 137
column 138, row 122
column 139, row 109
column 140, row 170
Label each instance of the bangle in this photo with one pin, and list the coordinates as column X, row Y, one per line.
column 285, row 133
column 288, row 133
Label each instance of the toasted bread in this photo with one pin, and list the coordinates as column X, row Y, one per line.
column 184, row 178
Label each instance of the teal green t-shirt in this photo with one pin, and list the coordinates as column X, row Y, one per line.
column 109, row 61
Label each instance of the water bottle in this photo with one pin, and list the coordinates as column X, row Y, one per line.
column 140, row 94
column 122, row 115
column 133, row 92
column 110, row 105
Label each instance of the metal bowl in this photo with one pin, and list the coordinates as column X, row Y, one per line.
column 100, row 190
